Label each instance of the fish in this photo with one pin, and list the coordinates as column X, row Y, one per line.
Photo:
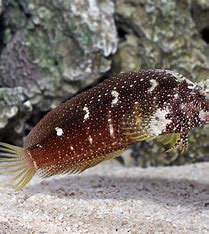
column 100, row 123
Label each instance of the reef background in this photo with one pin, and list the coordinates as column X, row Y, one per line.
column 50, row 50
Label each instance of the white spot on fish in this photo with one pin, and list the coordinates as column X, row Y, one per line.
column 86, row 116
column 191, row 86
column 204, row 115
column 40, row 146
column 111, row 130
column 176, row 96
column 154, row 84
column 183, row 105
column 115, row 94
column 59, row 131
column 71, row 147
column 159, row 122
column 90, row 139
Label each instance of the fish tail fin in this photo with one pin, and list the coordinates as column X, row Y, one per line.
column 16, row 163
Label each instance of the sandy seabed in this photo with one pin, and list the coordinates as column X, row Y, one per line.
column 111, row 199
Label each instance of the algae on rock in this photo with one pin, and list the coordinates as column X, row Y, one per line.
column 54, row 48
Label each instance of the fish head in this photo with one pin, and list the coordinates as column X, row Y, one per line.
column 200, row 105
column 190, row 108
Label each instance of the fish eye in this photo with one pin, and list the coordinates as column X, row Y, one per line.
column 198, row 88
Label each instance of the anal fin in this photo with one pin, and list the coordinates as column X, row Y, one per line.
column 77, row 167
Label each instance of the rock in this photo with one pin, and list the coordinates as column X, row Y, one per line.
column 200, row 14
column 55, row 48
column 10, row 100
column 11, row 105
column 165, row 37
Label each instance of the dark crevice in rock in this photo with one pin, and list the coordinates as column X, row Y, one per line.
column 103, row 77
column 205, row 34
column 200, row 15
column 121, row 33
column 28, row 15
column 126, row 26
column 56, row 62
column 33, row 120
column 2, row 28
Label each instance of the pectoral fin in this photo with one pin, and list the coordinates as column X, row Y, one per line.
column 135, row 127
column 136, row 134
column 170, row 141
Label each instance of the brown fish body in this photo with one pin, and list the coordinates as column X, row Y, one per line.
column 92, row 123
column 98, row 124
column 90, row 126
